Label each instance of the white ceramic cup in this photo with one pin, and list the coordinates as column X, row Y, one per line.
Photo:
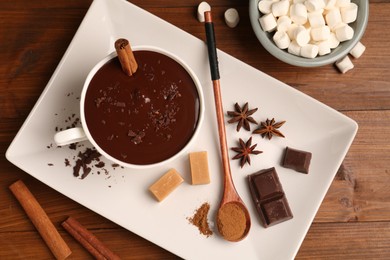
column 78, row 134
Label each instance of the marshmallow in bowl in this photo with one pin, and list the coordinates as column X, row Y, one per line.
column 322, row 23
column 280, row 8
column 309, row 51
column 281, row 40
column 349, row 13
column 268, row 22
column 344, row 33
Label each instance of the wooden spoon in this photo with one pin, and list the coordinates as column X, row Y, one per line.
column 233, row 219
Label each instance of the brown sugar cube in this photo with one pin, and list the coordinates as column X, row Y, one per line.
column 166, row 184
column 199, row 168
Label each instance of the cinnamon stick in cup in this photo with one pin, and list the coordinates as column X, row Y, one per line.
column 126, row 56
column 88, row 240
column 40, row 220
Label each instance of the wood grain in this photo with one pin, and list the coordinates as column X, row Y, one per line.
column 353, row 221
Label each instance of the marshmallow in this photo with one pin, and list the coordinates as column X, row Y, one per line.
column 320, row 33
column 342, row 3
column 349, row 13
column 281, row 40
column 316, row 19
column 323, row 48
column 202, row 7
column 283, row 23
column 231, row 17
column 330, row 4
column 344, row 33
column 298, row 1
column 301, row 36
column 294, row 48
column 265, row 6
column 291, row 29
column 280, row 8
column 309, row 51
column 333, row 41
column 333, row 18
column 268, row 22
column 344, row 65
column 358, row 50
column 314, row 5
column 298, row 13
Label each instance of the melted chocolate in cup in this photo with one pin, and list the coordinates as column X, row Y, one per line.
column 145, row 118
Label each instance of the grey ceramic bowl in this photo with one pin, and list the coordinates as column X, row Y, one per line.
column 342, row 50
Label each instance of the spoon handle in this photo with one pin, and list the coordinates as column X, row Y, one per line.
column 213, row 60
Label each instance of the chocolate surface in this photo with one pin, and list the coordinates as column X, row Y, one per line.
column 145, row 118
column 297, row 160
column 269, row 198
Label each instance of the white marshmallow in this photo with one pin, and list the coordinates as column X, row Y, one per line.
column 301, row 35
column 323, row 48
column 265, row 6
column 330, row 4
column 298, row 1
column 309, row 51
column 231, row 17
column 281, row 40
column 349, row 13
column 294, row 48
column 283, row 23
column 291, row 30
column 333, row 41
column 268, row 22
column 314, row 5
column 280, row 8
column 333, row 18
column 358, row 50
column 342, row 3
column 316, row 19
column 344, row 33
column 320, row 33
column 298, row 13
column 202, row 7
column 344, row 65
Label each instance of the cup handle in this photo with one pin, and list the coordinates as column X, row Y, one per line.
column 70, row 136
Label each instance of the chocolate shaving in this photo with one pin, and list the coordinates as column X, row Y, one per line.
column 83, row 162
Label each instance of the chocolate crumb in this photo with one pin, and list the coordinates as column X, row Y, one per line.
column 50, row 164
column 100, row 165
column 67, row 163
column 73, row 146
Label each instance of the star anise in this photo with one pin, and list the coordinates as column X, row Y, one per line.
column 269, row 128
column 244, row 151
column 242, row 116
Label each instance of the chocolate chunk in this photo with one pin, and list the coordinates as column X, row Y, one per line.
column 297, row 160
column 269, row 198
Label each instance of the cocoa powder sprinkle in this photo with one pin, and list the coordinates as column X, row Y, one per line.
column 200, row 219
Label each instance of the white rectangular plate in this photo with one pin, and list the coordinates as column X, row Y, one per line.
column 121, row 194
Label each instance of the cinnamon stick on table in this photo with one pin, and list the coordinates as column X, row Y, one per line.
column 126, row 56
column 88, row 240
column 40, row 220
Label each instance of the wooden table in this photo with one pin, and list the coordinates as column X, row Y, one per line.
column 353, row 221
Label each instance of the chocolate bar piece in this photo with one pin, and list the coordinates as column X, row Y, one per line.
column 297, row 160
column 269, row 198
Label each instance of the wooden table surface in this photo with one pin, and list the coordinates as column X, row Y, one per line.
column 353, row 221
